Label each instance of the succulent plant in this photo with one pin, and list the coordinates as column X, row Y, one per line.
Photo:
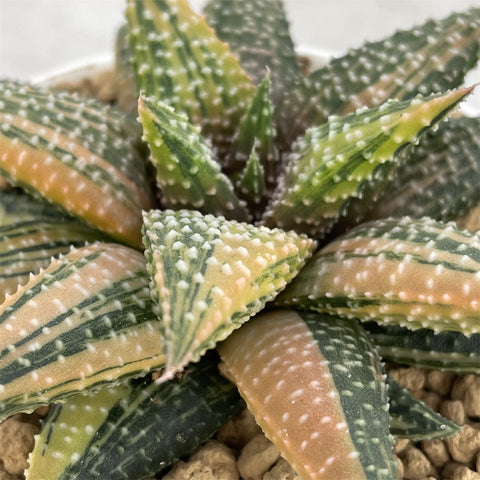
column 244, row 211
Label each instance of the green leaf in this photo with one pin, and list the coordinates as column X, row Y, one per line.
column 251, row 184
column 446, row 351
column 135, row 429
column 440, row 178
column 210, row 275
column 315, row 385
column 411, row 418
column 179, row 59
column 429, row 58
column 398, row 271
column 85, row 321
column 187, row 173
column 77, row 153
column 333, row 163
column 258, row 31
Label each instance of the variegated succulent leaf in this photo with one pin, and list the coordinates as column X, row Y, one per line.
column 415, row 273
column 179, row 59
column 332, row 164
column 135, row 429
column 188, row 175
column 258, row 31
column 85, row 321
column 447, row 351
column 210, row 275
column 255, row 137
column 441, row 176
column 425, row 59
column 31, row 233
column 77, row 153
column 315, row 385
column 411, row 418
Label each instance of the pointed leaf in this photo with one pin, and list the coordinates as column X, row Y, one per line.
column 251, row 183
column 258, row 31
column 411, row 418
column 407, row 272
column 135, row 429
column 84, row 321
column 314, row 384
column 446, row 351
column 209, row 275
column 187, row 173
column 77, row 153
column 179, row 59
column 334, row 162
column 426, row 59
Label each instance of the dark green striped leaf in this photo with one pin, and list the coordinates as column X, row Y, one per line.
column 179, row 59
column 441, row 176
column 135, row 429
column 411, row 418
column 407, row 272
column 258, row 31
column 333, row 163
column 85, row 321
column 187, row 173
column 315, row 385
column 210, row 275
column 447, row 351
column 77, row 153
column 426, row 59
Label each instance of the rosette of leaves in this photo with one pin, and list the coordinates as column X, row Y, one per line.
column 255, row 167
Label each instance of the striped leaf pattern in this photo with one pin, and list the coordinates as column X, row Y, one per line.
column 27, row 246
column 85, row 321
column 447, row 351
column 187, row 173
column 441, row 176
column 415, row 273
column 334, row 162
column 77, row 153
column 426, row 59
column 210, row 275
column 258, row 31
column 179, row 59
column 411, row 418
column 314, row 384
column 135, row 429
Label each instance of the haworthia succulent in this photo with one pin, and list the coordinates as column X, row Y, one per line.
column 416, row 273
column 209, row 275
column 428, row 58
column 258, row 31
column 135, row 429
column 411, row 418
column 251, row 183
column 84, row 321
column 314, row 384
column 179, row 59
column 447, row 351
column 187, row 173
column 335, row 161
column 441, row 176
column 78, row 153
column 28, row 245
